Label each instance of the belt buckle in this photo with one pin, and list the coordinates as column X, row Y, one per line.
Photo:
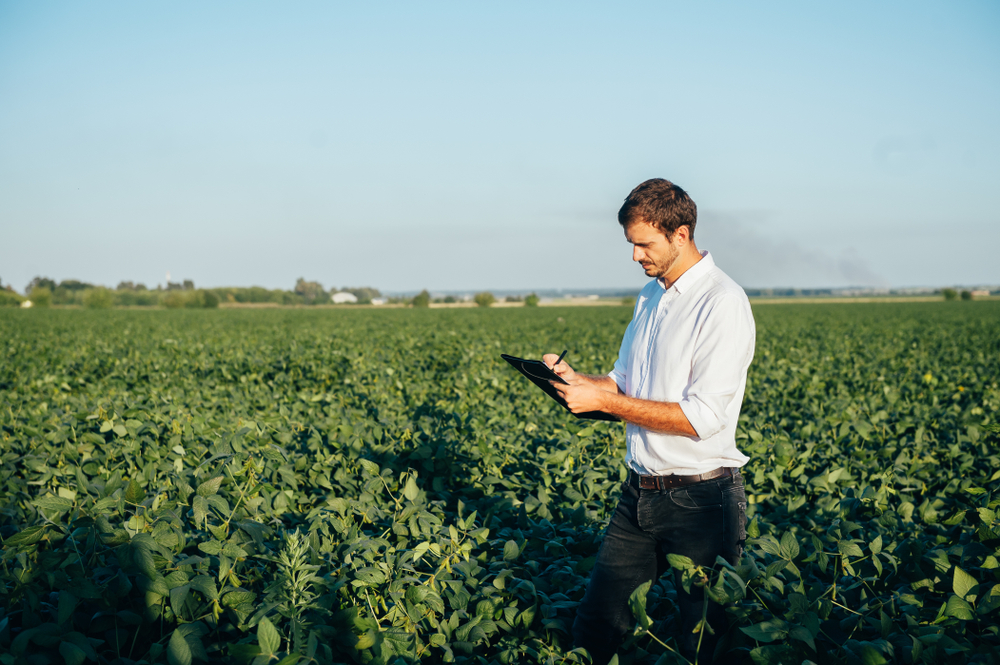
column 660, row 483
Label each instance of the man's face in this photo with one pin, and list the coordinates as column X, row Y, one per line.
column 651, row 249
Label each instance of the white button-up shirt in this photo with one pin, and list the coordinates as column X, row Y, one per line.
column 690, row 344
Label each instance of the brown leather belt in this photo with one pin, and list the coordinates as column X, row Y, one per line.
column 669, row 482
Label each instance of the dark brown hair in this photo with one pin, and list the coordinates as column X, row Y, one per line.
column 662, row 204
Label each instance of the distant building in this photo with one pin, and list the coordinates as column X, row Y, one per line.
column 378, row 301
column 980, row 293
column 343, row 297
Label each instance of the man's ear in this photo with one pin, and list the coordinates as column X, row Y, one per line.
column 682, row 236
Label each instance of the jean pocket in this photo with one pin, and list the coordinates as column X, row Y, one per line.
column 698, row 497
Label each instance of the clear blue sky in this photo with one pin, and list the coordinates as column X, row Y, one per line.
column 474, row 145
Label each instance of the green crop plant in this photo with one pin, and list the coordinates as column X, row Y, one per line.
column 377, row 486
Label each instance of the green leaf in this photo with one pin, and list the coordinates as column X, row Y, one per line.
column 511, row 551
column 803, row 634
column 209, row 487
column 120, row 430
column 789, row 548
column 210, row 547
column 767, row 631
column 159, row 585
column 369, row 466
column 962, row 583
column 256, row 530
column 416, row 594
column 527, row 616
column 420, row 550
column 411, row 491
column 27, row 536
column 637, row 603
column 849, row 548
column 870, row 656
column 143, row 558
column 485, row 608
column 53, row 504
column 67, row 605
column 370, row 576
column 178, row 651
column 234, row 598
column 80, row 640
column 500, row 581
column 753, row 529
column 434, row 602
column 679, row 562
column 268, row 638
column 958, row 608
column 876, row 545
column 200, row 508
column 220, row 532
column 206, row 586
column 134, row 494
column 768, row 544
column 72, row 654
column 103, row 504
column 178, row 596
column 273, row 454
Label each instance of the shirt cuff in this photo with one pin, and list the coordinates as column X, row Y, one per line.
column 702, row 419
column 618, row 378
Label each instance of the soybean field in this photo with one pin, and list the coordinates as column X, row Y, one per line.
column 377, row 486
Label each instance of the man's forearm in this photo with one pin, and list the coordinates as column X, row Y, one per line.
column 589, row 392
column 665, row 417
column 602, row 381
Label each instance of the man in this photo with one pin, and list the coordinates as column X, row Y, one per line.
column 678, row 383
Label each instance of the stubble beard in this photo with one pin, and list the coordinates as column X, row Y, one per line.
column 660, row 269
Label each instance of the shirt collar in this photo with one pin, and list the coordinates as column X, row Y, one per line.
column 692, row 274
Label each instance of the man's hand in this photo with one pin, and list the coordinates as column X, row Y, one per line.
column 563, row 369
column 584, row 393
column 581, row 395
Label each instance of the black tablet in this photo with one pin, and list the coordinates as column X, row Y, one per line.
column 539, row 373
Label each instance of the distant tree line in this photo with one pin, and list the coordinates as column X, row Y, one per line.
column 952, row 294
column 45, row 292
column 482, row 299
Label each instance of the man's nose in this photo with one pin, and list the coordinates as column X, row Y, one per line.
column 637, row 254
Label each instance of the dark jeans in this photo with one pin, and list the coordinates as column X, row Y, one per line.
column 699, row 521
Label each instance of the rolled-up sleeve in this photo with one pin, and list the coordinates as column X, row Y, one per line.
column 722, row 353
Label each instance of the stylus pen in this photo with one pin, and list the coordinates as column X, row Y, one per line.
column 563, row 355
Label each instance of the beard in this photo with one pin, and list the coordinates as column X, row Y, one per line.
column 660, row 267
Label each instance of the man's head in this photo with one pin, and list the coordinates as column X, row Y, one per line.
column 661, row 204
column 658, row 218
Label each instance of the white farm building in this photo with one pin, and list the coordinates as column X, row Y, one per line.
column 343, row 297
